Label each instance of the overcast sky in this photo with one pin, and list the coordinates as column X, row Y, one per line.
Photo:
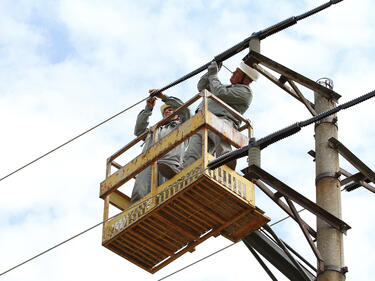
column 67, row 65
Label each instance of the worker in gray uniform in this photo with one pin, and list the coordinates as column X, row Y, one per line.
column 171, row 162
column 237, row 95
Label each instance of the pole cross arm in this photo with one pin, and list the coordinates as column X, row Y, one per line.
column 354, row 160
column 284, row 133
column 299, row 198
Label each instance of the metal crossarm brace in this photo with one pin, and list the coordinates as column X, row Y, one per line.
column 361, row 180
column 292, row 75
column 279, row 83
column 271, row 251
column 303, row 99
column 354, row 160
column 299, row 199
column 282, row 246
column 261, row 262
column 307, row 236
column 283, row 206
column 357, row 183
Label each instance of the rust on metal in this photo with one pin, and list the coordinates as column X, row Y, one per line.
column 300, row 199
column 156, row 151
column 354, row 160
column 181, row 213
column 292, row 75
column 162, row 227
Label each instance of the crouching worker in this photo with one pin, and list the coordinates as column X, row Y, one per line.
column 171, row 162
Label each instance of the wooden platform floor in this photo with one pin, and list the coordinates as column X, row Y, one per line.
column 205, row 205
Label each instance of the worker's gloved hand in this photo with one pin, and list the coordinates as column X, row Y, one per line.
column 219, row 65
column 151, row 101
column 212, row 68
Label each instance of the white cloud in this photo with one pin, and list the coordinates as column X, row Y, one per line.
column 68, row 65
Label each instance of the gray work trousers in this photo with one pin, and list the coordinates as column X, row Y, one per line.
column 216, row 146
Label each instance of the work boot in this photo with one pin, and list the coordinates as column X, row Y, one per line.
column 166, row 170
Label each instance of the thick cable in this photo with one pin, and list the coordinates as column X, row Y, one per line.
column 69, row 141
column 219, row 58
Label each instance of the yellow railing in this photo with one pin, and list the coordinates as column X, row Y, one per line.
column 203, row 120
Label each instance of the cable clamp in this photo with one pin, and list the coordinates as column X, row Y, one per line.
column 327, row 120
column 335, row 175
column 342, row 270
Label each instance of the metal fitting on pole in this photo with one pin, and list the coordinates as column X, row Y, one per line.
column 253, row 157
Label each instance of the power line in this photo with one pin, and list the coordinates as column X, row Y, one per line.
column 69, row 239
column 181, row 269
column 82, row 232
column 262, row 34
column 53, row 247
column 69, row 141
column 100, row 223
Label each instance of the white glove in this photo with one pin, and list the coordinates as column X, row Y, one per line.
column 212, row 68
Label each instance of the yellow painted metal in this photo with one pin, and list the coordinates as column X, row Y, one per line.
column 194, row 205
column 230, row 134
column 119, row 200
column 186, row 210
column 172, row 140
column 155, row 152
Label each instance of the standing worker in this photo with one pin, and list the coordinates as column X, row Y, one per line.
column 171, row 162
column 237, row 95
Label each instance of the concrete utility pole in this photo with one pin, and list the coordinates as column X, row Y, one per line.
column 328, row 194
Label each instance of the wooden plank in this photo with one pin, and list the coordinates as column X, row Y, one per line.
column 219, row 202
column 168, row 232
column 172, row 224
column 198, row 204
column 129, row 248
column 198, row 215
column 132, row 258
column 292, row 75
column 208, row 203
column 135, row 244
column 178, row 224
column 125, row 251
column 227, row 203
column 223, row 193
column 149, row 241
column 182, row 216
column 218, row 195
column 191, row 246
column 249, row 223
column 167, row 241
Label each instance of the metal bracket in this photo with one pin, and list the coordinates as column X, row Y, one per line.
column 328, row 120
column 342, row 270
column 335, row 175
column 298, row 198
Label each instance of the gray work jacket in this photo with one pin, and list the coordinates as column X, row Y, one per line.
column 142, row 185
column 237, row 96
column 143, row 120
